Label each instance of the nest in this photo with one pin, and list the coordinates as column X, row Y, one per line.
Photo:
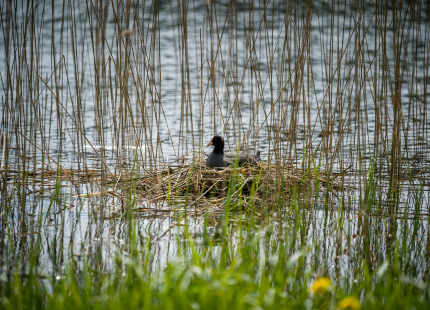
column 193, row 184
column 197, row 184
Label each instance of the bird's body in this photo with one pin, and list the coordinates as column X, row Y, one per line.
column 217, row 158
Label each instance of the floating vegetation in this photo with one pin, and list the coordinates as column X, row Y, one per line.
column 198, row 185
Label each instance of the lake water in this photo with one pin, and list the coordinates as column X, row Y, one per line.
column 153, row 82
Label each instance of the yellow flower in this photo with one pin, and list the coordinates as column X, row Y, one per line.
column 350, row 303
column 320, row 285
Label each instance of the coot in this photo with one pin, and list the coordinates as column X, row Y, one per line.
column 217, row 158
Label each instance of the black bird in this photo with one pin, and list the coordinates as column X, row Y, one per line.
column 217, row 158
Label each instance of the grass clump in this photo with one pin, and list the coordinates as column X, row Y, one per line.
column 250, row 271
